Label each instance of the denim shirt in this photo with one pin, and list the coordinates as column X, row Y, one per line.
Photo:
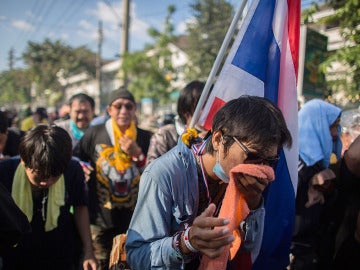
column 167, row 202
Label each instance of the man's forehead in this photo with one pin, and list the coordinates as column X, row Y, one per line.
column 122, row 100
column 77, row 102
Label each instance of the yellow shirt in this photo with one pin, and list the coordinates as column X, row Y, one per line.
column 27, row 123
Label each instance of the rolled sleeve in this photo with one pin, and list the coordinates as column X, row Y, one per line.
column 148, row 244
column 253, row 228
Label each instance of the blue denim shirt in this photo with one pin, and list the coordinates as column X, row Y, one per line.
column 168, row 200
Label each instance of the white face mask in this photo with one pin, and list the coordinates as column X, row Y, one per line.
column 218, row 170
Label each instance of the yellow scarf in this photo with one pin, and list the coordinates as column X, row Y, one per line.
column 122, row 160
column 21, row 192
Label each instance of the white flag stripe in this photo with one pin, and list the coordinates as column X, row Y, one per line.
column 287, row 87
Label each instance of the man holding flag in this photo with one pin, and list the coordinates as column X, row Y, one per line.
column 184, row 214
column 263, row 61
column 171, row 225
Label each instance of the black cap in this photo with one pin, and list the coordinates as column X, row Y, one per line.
column 121, row 93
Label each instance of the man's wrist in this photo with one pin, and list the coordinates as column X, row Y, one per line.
column 255, row 203
column 186, row 246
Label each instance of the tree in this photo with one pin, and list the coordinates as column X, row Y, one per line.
column 15, row 87
column 46, row 59
column 149, row 71
column 348, row 19
column 212, row 19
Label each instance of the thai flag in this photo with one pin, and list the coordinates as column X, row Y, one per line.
column 263, row 62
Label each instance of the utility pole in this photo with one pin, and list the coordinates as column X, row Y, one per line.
column 98, row 69
column 11, row 59
column 125, row 35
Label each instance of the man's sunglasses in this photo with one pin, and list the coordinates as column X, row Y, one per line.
column 253, row 158
column 128, row 106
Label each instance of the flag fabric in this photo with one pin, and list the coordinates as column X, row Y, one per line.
column 263, row 62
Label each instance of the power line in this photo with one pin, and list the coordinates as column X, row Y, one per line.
column 113, row 10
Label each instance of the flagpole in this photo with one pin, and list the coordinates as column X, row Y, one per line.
column 216, row 64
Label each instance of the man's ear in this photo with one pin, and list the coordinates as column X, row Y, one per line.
column 216, row 139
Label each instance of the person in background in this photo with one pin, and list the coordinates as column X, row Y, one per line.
column 45, row 182
column 166, row 137
column 38, row 117
column 52, row 115
column 13, row 222
column 117, row 150
column 347, row 248
column 319, row 146
column 175, row 223
column 81, row 112
column 64, row 112
column 9, row 138
column 22, row 114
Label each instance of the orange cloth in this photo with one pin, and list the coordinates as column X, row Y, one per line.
column 235, row 207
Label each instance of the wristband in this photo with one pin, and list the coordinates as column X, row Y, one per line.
column 187, row 241
column 138, row 158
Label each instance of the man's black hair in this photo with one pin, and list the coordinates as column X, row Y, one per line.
column 82, row 97
column 46, row 149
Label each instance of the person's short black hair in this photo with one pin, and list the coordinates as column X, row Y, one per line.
column 82, row 97
column 188, row 99
column 42, row 112
column 253, row 120
column 46, row 149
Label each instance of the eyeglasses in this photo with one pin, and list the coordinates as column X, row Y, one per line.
column 253, row 158
column 128, row 106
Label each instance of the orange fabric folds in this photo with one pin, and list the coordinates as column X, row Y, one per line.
column 236, row 209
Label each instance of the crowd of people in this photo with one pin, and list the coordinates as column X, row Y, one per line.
column 72, row 183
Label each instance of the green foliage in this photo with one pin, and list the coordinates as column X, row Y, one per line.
column 347, row 17
column 146, row 78
column 148, row 71
column 212, row 19
column 15, row 87
column 306, row 15
column 46, row 59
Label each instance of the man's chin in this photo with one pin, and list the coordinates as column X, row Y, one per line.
column 122, row 123
column 82, row 125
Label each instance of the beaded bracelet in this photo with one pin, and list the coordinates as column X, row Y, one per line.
column 187, row 241
column 176, row 244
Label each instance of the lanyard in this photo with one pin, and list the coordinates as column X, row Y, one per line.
column 198, row 150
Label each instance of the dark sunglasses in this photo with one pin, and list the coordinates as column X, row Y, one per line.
column 253, row 158
column 128, row 106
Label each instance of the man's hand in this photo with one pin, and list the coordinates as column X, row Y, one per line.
column 90, row 262
column 252, row 189
column 129, row 146
column 323, row 176
column 87, row 169
column 208, row 234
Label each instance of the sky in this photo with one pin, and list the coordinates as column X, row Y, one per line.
column 75, row 23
